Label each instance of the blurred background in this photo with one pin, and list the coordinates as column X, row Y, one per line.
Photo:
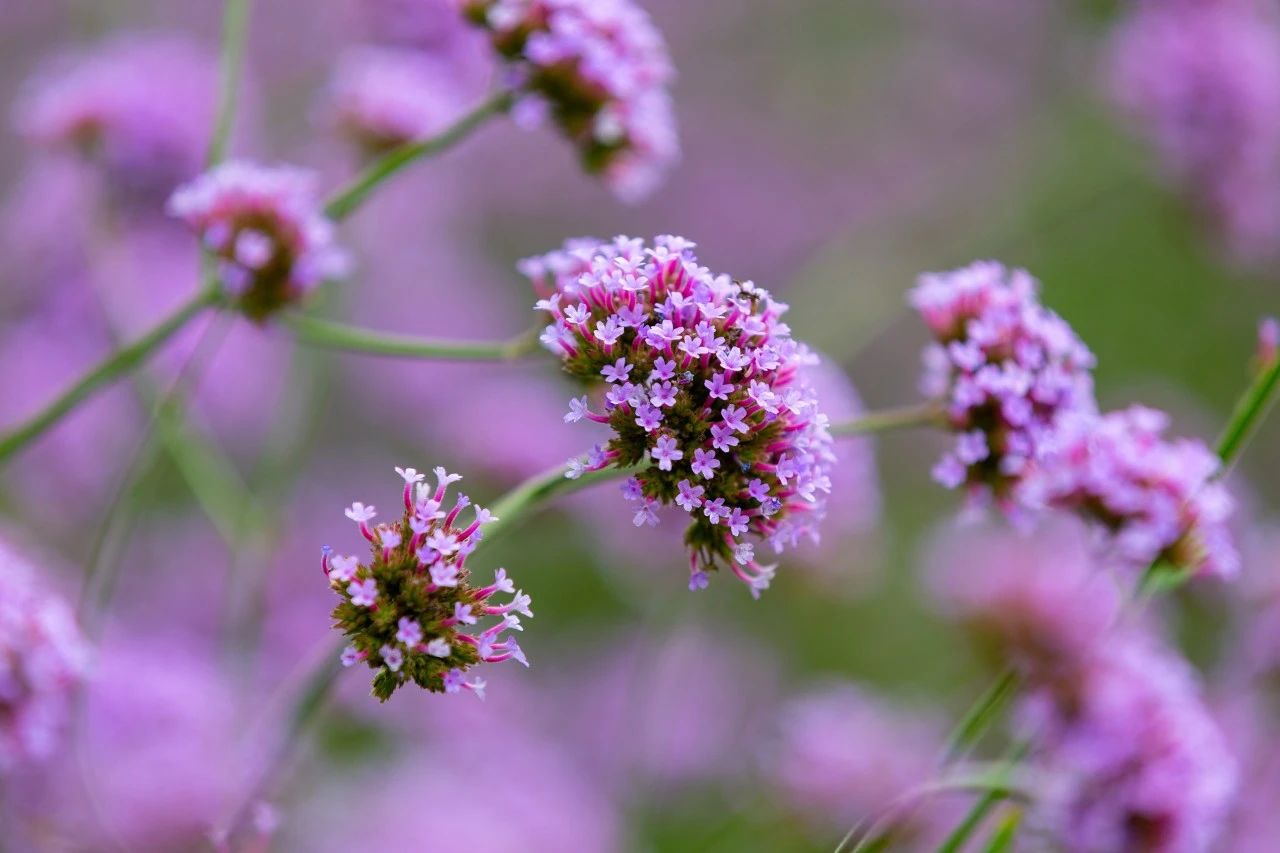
column 831, row 152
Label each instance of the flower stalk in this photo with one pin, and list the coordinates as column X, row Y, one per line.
column 318, row 332
column 116, row 365
column 348, row 199
column 886, row 420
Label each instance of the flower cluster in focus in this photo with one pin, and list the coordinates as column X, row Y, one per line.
column 1008, row 369
column 701, row 384
column 43, row 658
column 599, row 70
column 264, row 224
column 410, row 608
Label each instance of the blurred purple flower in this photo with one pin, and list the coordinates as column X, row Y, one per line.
column 43, row 659
column 1201, row 78
column 265, row 226
column 384, row 97
column 844, row 757
column 1039, row 598
column 141, row 107
column 1158, row 499
column 1133, row 757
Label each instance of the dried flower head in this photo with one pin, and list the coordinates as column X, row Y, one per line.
column 264, row 225
column 701, row 378
column 410, row 606
column 1157, row 499
column 43, row 658
column 599, row 70
column 139, row 107
column 1007, row 368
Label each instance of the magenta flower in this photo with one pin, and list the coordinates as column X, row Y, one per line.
column 1157, row 499
column 1133, row 757
column 140, row 108
column 1008, row 370
column 405, row 608
column 264, row 224
column 700, row 402
column 1201, row 80
column 43, row 659
column 384, row 97
column 598, row 70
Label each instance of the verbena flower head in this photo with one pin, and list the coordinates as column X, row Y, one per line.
column 1202, row 82
column 1036, row 598
column 140, row 107
column 844, row 756
column 410, row 608
column 43, row 659
column 700, row 382
column 599, row 70
column 1134, row 757
column 384, row 97
column 1157, row 499
column 1007, row 369
column 265, row 226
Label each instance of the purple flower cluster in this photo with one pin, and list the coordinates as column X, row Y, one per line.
column 1035, row 599
column 1202, row 81
column 599, row 70
column 1008, row 369
column 264, row 224
column 1134, row 759
column 139, row 107
column 409, row 608
column 1158, row 499
column 383, row 97
column 43, row 658
column 845, row 757
column 701, row 383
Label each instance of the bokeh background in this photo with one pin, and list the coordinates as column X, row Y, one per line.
column 831, row 152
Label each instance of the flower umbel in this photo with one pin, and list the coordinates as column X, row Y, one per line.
column 410, row 606
column 1007, row 368
column 702, row 384
column 1157, row 499
column 599, row 69
column 265, row 227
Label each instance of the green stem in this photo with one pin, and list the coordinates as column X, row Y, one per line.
column 903, row 417
column 235, row 26
column 1248, row 413
column 318, row 332
column 980, row 715
column 1002, row 839
column 517, row 503
column 113, row 367
column 345, row 201
column 998, row 791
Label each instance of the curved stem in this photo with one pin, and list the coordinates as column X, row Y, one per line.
column 113, row 367
column 318, row 332
column 980, row 714
column 345, row 201
column 1000, row 789
column 515, row 504
column 235, row 25
column 1248, row 413
column 903, row 417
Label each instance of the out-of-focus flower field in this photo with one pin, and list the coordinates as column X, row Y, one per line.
column 829, row 152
